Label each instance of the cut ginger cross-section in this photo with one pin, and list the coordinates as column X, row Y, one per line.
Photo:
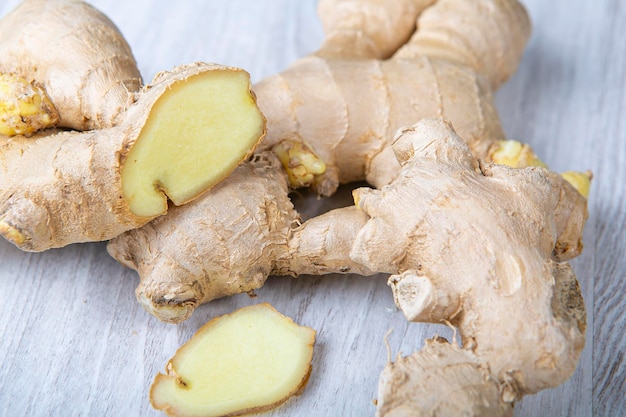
column 251, row 360
column 197, row 133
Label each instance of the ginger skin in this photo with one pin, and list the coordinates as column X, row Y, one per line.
column 462, row 244
column 346, row 102
column 89, row 82
column 63, row 187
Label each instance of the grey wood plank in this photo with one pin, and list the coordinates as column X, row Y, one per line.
column 567, row 100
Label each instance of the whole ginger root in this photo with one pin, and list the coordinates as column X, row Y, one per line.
column 131, row 148
column 331, row 119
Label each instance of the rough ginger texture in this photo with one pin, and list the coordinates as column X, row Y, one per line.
column 482, row 247
column 346, row 102
column 132, row 149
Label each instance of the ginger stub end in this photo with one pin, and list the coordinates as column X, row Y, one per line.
column 251, row 360
column 514, row 154
column 581, row 181
column 25, row 108
column 12, row 234
column 300, row 162
column 197, row 132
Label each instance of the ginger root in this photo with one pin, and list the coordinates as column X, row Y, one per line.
column 480, row 246
column 464, row 245
column 251, row 360
column 170, row 141
column 341, row 133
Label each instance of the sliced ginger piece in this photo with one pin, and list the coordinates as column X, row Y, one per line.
column 197, row 133
column 251, row 360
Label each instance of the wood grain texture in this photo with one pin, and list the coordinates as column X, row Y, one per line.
column 75, row 342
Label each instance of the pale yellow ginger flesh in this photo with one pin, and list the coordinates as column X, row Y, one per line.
column 197, row 133
column 251, row 360
column 24, row 107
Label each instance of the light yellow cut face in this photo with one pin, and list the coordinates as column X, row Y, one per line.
column 197, row 133
column 253, row 359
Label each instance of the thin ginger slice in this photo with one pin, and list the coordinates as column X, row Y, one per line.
column 197, row 133
column 251, row 360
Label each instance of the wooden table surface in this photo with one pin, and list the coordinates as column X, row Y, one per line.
column 74, row 342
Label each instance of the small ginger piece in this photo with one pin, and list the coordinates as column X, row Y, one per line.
column 514, row 154
column 251, row 360
column 579, row 180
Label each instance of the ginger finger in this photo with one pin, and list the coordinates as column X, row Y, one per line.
column 347, row 108
column 242, row 221
column 258, row 234
column 464, row 248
